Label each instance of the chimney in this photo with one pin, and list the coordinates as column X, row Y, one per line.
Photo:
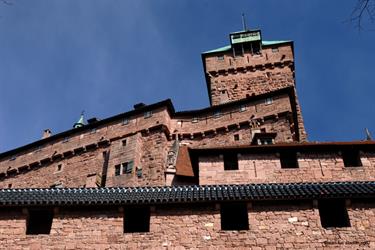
column 46, row 133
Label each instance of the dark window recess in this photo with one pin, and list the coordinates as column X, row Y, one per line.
column 117, row 170
column 147, row 114
column 234, row 216
column 266, row 141
column 39, row 222
column 59, row 167
column 217, row 113
column 237, row 50
column 125, row 121
column 230, row 161
column 124, row 142
column 136, row 219
column 256, row 48
column 288, row 160
column 333, row 213
column 351, row 158
column 236, row 137
column 127, row 167
column 139, row 172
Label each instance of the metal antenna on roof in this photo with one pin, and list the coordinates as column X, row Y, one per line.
column 244, row 22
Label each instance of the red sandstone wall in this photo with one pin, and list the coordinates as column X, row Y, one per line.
column 274, row 226
column 267, row 169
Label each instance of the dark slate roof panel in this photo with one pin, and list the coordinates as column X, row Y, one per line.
column 184, row 194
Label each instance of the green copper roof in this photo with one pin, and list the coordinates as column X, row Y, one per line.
column 226, row 48
column 79, row 123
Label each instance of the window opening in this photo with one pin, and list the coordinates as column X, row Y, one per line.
column 39, row 222
column 236, row 137
column 288, row 159
column 351, row 158
column 117, row 170
column 136, row 219
column 125, row 121
column 242, row 108
column 234, row 216
column 333, row 213
column 147, row 114
column 268, row 100
column 124, row 142
column 230, row 161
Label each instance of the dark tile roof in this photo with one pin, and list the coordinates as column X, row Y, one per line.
column 184, row 194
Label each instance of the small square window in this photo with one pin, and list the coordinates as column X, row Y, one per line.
column 93, row 131
column 117, row 170
column 265, row 141
column 230, row 161
column 65, row 140
column 268, row 101
column 274, row 50
column 39, row 222
column 194, row 120
column 125, row 121
column 136, row 219
column 220, row 58
column 242, row 108
column 59, row 168
column 234, row 216
column 147, row 114
column 288, row 159
column 217, row 113
column 124, row 142
column 333, row 213
column 127, row 167
column 236, row 137
column 351, row 158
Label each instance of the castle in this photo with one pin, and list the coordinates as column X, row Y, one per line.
column 237, row 174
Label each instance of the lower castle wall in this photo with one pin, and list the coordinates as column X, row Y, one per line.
column 272, row 226
column 313, row 167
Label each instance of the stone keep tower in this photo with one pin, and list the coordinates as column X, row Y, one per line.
column 250, row 66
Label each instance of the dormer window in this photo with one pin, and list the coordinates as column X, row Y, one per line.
column 263, row 138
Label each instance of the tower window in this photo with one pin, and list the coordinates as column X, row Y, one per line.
column 238, row 50
column 136, row 219
column 268, row 101
column 242, row 108
column 147, row 114
column 217, row 113
column 65, row 140
column 234, row 216
column 194, row 120
column 230, row 161
column 236, row 137
column 117, row 170
column 288, row 159
column 274, row 50
column 124, row 142
column 39, row 222
column 59, row 168
column 127, row 167
column 351, row 158
column 220, row 58
column 125, row 121
column 333, row 213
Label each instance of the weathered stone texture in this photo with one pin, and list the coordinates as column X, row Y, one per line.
column 271, row 226
column 266, row 168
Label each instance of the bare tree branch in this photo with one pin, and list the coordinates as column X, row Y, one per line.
column 363, row 12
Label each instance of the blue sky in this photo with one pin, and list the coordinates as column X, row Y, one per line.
column 58, row 58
